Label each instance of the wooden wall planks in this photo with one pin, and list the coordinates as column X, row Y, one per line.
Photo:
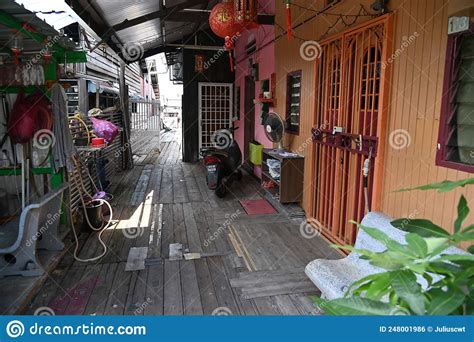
column 413, row 104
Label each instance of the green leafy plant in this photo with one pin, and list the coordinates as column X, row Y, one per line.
column 448, row 279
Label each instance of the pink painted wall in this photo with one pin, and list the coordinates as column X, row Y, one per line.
column 265, row 57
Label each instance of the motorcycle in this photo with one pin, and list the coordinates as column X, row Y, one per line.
column 222, row 162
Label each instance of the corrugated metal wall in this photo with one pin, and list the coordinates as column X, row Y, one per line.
column 414, row 103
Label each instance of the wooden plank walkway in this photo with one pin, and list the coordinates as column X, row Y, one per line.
column 163, row 201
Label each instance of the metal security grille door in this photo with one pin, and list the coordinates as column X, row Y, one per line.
column 145, row 115
column 348, row 126
column 215, row 110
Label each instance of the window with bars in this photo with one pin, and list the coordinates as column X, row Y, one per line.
column 293, row 102
column 456, row 134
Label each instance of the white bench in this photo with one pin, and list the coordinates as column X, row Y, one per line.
column 37, row 227
column 333, row 277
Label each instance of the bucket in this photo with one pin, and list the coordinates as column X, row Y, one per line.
column 94, row 213
column 105, row 196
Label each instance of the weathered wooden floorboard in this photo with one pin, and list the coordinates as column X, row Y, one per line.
column 179, row 228
column 137, row 300
column 191, row 297
column 83, row 290
column 167, row 233
column 173, row 299
column 194, row 240
column 99, row 296
column 155, row 290
column 206, row 287
column 64, row 292
column 180, row 192
column 167, row 187
column 117, row 298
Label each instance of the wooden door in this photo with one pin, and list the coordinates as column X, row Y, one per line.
column 249, row 117
column 349, row 126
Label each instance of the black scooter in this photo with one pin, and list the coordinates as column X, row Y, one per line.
column 222, row 162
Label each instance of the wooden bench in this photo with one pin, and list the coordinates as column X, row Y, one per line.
column 37, row 227
column 333, row 277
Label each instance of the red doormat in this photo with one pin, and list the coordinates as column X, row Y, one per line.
column 257, row 207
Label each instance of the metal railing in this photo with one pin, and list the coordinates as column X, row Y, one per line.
column 145, row 115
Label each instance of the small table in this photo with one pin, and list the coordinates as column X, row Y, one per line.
column 289, row 187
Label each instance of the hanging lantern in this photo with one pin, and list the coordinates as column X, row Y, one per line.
column 246, row 14
column 221, row 19
column 222, row 22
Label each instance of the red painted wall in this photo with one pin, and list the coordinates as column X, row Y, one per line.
column 265, row 57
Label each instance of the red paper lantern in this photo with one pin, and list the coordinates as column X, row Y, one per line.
column 221, row 19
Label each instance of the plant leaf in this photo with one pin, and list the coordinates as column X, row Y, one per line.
column 376, row 234
column 468, row 228
column 417, row 244
column 357, row 306
column 463, row 211
column 437, row 245
column 470, row 249
column 464, row 236
column 405, row 286
column 445, row 302
column 380, row 286
column 422, row 227
column 443, row 186
column 456, row 257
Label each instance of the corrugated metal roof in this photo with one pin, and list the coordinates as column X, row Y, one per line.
column 25, row 16
column 150, row 34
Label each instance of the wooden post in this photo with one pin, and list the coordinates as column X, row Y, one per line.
column 127, row 156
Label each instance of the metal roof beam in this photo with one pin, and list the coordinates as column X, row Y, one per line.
column 103, row 31
column 161, row 14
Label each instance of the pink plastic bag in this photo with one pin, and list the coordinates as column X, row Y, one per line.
column 105, row 129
